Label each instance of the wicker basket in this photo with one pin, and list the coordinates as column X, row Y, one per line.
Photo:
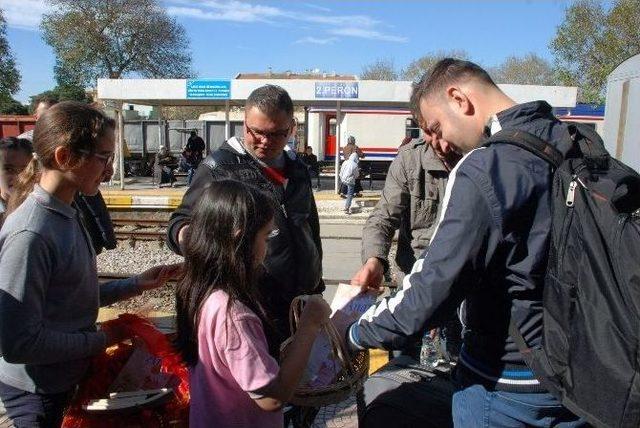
column 354, row 367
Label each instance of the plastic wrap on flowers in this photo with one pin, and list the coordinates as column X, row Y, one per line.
column 107, row 367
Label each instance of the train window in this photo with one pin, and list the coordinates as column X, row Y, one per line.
column 332, row 126
column 411, row 128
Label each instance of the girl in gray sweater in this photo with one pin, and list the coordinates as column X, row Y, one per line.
column 49, row 291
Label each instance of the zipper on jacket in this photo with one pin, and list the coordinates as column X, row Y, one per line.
column 570, row 203
column 571, row 194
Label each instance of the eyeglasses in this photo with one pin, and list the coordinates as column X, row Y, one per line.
column 107, row 159
column 262, row 135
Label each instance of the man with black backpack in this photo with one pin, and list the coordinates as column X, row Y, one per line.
column 488, row 255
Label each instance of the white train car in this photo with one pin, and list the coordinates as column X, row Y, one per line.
column 378, row 131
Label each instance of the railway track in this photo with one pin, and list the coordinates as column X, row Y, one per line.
column 110, row 276
column 138, row 229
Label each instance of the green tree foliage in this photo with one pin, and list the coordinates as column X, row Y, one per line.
column 10, row 82
column 9, row 75
column 592, row 41
column 10, row 106
column 527, row 70
column 113, row 39
column 418, row 67
column 65, row 92
column 381, row 69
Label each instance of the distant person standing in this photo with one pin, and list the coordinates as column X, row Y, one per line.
column 311, row 160
column 193, row 153
column 352, row 147
column 348, row 173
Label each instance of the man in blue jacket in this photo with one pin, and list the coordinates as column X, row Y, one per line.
column 488, row 254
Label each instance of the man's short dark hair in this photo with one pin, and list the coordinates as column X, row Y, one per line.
column 270, row 100
column 446, row 72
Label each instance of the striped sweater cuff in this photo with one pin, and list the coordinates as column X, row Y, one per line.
column 353, row 338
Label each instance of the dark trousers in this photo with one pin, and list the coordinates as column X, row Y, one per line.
column 404, row 393
column 28, row 409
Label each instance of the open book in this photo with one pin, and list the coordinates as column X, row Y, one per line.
column 348, row 304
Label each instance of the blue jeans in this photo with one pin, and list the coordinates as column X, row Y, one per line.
column 350, row 191
column 30, row 409
column 474, row 406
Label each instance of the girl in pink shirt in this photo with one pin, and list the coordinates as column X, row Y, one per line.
column 221, row 322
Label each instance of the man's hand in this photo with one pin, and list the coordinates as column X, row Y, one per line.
column 157, row 276
column 370, row 275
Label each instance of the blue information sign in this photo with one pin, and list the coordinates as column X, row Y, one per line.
column 206, row 89
column 336, row 89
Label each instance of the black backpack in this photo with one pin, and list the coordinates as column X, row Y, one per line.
column 589, row 357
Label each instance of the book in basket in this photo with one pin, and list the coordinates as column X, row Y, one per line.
column 348, row 304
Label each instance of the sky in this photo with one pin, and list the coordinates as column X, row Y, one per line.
column 236, row 36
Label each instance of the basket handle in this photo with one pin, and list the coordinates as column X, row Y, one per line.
column 337, row 348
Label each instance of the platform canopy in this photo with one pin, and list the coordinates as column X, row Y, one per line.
column 303, row 92
column 375, row 93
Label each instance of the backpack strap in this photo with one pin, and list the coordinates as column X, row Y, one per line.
column 528, row 142
column 595, row 155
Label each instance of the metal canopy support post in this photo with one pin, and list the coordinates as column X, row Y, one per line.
column 337, row 158
column 227, row 124
column 160, row 133
column 121, row 146
column 306, row 128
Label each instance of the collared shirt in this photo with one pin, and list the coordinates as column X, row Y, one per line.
column 49, row 296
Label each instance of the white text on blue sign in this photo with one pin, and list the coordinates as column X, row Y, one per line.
column 205, row 89
column 336, row 89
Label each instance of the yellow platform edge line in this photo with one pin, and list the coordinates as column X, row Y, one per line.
column 377, row 359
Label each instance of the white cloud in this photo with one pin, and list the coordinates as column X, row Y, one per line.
column 360, row 26
column 315, row 6
column 234, row 11
column 316, row 40
column 24, row 14
column 368, row 34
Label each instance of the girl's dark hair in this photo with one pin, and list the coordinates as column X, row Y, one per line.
column 71, row 124
column 219, row 255
column 13, row 143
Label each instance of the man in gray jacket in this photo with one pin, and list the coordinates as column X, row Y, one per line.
column 411, row 203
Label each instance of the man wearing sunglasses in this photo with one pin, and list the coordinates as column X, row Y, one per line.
column 294, row 256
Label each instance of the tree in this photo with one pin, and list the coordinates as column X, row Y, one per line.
column 10, row 76
column 10, row 82
column 61, row 93
column 10, row 106
column 381, row 69
column 115, row 38
column 418, row 67
column 527, row 70
column 592, row 41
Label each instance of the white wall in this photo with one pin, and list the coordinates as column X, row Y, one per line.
column 622, row 115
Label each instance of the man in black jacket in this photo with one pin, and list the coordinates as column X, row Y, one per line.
column 488, row 254
column 294, row 256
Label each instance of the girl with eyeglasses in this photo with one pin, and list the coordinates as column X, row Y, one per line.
column 49, row 291
column 15, row 154
column 222, row 329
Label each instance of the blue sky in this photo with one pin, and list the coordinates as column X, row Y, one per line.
column 228, row 37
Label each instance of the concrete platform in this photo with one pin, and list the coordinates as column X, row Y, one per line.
column 141, row 193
